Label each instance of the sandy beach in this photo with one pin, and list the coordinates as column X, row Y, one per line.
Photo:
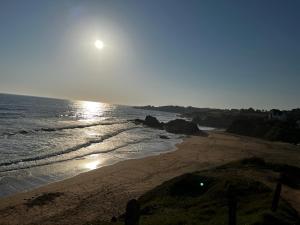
column 104, row 192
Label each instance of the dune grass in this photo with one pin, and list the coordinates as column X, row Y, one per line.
column 201, row 198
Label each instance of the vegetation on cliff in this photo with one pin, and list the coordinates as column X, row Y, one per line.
column 273, row 125
column 203, row 197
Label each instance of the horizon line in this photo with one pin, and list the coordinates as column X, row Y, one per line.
column 144, row 105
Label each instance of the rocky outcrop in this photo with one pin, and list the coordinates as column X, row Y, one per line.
column 178, row 126
column 164, row 137
column 151, row 121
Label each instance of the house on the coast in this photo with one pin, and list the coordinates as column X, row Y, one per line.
column 276, row 114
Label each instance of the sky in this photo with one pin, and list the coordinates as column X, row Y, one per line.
column 205, row 53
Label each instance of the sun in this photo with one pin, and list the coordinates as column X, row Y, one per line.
column 99, row 44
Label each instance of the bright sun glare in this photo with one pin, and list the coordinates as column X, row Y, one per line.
column 91, row 110
column 92, row 165
column 99, row 44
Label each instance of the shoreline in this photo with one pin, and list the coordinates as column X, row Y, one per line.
column 88, row 163
column 151, row 154
column 104, row 192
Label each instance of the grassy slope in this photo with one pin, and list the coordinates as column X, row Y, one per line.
column 183, row 200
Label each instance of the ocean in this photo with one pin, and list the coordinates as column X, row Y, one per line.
column 44, row 140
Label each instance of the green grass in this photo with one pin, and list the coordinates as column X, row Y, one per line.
column 200, row 198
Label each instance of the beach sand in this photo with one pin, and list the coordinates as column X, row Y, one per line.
column 104, row 192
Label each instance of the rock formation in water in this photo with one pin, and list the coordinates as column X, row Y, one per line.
column 178, row 126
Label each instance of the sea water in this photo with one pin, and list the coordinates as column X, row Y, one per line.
column 43, row 140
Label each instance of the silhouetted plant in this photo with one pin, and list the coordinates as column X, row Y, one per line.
column 132, row 215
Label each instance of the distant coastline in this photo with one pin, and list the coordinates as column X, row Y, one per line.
column 273, row 125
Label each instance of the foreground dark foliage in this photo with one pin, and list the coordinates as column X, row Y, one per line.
column 203, row 198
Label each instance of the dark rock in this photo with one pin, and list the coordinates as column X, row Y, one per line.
column 164, row 137
column 138, row 121
column 153, row 122
column 23, row 132
column 180, row 126
column 150, row 121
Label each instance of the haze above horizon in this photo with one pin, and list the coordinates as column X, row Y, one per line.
column 219, row 54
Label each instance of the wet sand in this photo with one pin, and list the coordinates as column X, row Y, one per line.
column 104, row 192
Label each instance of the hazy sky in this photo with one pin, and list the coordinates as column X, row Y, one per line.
column 207, row 53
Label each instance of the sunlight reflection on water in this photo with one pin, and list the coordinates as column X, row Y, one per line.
column 92, row 109
column 94, row 161
column 92, row 165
